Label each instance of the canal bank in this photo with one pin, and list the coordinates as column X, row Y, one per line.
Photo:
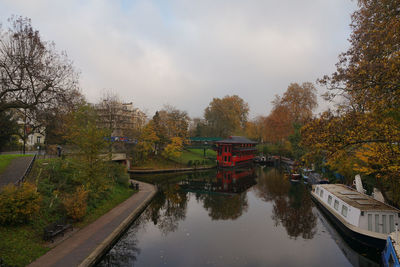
column 156, row 171
column 87, row 245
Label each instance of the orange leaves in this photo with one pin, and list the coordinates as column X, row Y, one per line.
column 76, row 203
column 296, row 106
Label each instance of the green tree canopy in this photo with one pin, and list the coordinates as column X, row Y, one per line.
column 226, row 116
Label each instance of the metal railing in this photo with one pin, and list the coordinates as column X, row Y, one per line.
column 27, row 171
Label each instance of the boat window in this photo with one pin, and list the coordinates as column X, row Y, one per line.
column 321, row 193
column 377, row 223
column 336, row 205
column 329, row 199
column 369, row 222
column 317, row 190
column 344, row 211
column 384, row 227
column 391, row 223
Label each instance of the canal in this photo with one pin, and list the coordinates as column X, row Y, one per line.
column 248, row 217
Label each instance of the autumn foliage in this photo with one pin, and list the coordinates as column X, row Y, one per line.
column 18, row 204
column 365, row 127
column 226, row 116
column 76, row 203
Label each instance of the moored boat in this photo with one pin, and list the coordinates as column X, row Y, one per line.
column 295, row 177
column 359, row 216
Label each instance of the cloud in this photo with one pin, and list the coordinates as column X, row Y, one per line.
column 185, row 53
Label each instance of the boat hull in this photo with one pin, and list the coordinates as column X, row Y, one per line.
column 362, row 239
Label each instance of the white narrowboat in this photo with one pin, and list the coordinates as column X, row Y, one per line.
column 362, row 218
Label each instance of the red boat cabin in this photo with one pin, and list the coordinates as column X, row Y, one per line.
column 234, row 151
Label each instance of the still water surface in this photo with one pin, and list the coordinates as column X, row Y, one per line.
column 251, row 217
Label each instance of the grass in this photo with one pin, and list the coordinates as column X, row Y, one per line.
column 157, row 163
column 22, row 244
column 118, row 195
column 5, row 160
column 188, row 155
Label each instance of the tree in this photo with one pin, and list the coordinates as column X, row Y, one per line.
column 368, row 72
column 255, row 129
column 54, row 118
column 90, row 143
column 174, row 149
column 295, row 139
column 8, row 127
column 31, row 71
column 147, row 142
column 300, row 101
column 278, row 124
column 366, row 126
column 226, row 116
column 168, row 123
column 294, row 108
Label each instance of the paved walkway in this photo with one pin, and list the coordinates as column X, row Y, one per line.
column 87, row 244
column 15, row 170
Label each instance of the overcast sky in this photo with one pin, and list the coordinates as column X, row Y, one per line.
column 184, row 53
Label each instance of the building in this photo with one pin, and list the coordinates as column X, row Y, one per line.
column 121, row 118
column 235, row 151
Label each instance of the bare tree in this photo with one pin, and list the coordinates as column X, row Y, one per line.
column 31, row 71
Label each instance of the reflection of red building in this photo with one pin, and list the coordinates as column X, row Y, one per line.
column 226, row 181
column 235, row 181
column 234, row 151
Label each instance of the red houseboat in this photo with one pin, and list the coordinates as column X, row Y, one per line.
column 235, row 151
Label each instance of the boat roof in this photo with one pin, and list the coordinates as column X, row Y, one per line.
column 357, row 199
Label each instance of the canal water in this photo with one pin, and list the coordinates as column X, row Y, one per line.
column 248, row 217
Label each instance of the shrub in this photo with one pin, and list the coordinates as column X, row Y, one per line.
column 117, row 173
column 18, row 204
column 190, row 163
column 76, row 204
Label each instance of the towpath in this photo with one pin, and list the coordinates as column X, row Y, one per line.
column 87, row 245
column 15, row 171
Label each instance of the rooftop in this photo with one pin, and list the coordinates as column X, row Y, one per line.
column 356, row 199
column 236, row 140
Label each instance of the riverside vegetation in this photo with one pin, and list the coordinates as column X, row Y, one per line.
column 51, row 192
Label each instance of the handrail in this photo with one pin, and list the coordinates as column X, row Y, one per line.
column 27, row 171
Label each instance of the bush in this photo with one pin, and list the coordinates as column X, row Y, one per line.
column 19, row 204
column 117, row 172
column 190, row 163
column 76, row 204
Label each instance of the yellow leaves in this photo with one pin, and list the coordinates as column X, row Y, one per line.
column 147, row 141
column 18, row 204
column 174, row 149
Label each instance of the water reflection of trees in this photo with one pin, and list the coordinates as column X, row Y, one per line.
column 292, row 204
column 125, row 252
column 224, row 196
column 168, row 208
column 224, row 207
